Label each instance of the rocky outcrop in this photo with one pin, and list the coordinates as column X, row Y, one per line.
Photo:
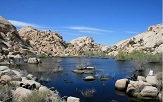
column 43, row 42
column 20, row 89
column 142, row 88
column 84, row 46
column 149, row 41
column 11, row 43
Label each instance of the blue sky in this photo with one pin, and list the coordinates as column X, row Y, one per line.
column 107, row 21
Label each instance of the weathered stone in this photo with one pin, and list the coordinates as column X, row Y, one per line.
column 141, row 78
column 73, row 99
column 6, row 78
column 43, row 89
column 152, row 80
column 121, row 84
column 2, row 68
column 30, row 76
column 20, row 92
column 149, row 91
column 89, row 78
column 17, row 73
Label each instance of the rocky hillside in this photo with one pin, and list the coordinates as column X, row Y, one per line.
column 44, row 42
column 150, row 41
column 29, row 40
column 51, row 43
column 83, row 46
column 10, row 41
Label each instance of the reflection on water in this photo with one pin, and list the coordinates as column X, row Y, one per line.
column 71, row 84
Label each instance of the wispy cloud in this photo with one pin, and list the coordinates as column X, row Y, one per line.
column 89, row 29
column 131, row 32
column 22, row 24
column 90, row 32
column 64, row 29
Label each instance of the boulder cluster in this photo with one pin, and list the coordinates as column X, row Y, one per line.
column 43, row 42
column 28, row 40
column 11, row 43
column 9, row 77
column 83, row 46
column 143, row 88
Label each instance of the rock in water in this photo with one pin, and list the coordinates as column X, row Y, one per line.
column 152, row 80
column 149, row 91
column 73, row 99
column 121, row 84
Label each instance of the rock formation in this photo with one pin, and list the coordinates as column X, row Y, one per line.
column 10, row 41
column 150, row 41
column 83, row 46
column 44, row 42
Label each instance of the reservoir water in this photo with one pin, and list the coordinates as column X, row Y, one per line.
column 72, row 84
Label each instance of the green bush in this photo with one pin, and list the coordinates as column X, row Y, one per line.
column 121, row 55
column 154, row 58
column 5, row 93
column 43, row 55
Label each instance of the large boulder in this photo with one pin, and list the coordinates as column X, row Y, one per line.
column 20, row 92
column 141, row 78
column 2, row 68
column 73, row 99
column 121, row 84
column 43, row 89
column 149, row 91
column 152, row 80
column 134, row 87
column 6, row 78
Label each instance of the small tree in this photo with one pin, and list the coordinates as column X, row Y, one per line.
column 121, row 55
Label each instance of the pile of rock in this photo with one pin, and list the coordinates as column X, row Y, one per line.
column 25, row 85
column 43, row 42
column 83, row 45
column 149, row 41
column 11, row 44
column 143, row 88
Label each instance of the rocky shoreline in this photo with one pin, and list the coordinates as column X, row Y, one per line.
column 142, row 88
column 20, row 85
column 29, row 41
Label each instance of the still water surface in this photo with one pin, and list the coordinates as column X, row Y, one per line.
column 74, row 84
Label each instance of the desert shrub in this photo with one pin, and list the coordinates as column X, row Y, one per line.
column 37, row 96
column 5, row 93
column 88, row 93
column 43, row 55
column 88, row 53
column 121, row 55
column 154, row 57
column 159, row 75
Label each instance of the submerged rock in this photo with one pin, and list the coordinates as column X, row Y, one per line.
column 89, row 78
